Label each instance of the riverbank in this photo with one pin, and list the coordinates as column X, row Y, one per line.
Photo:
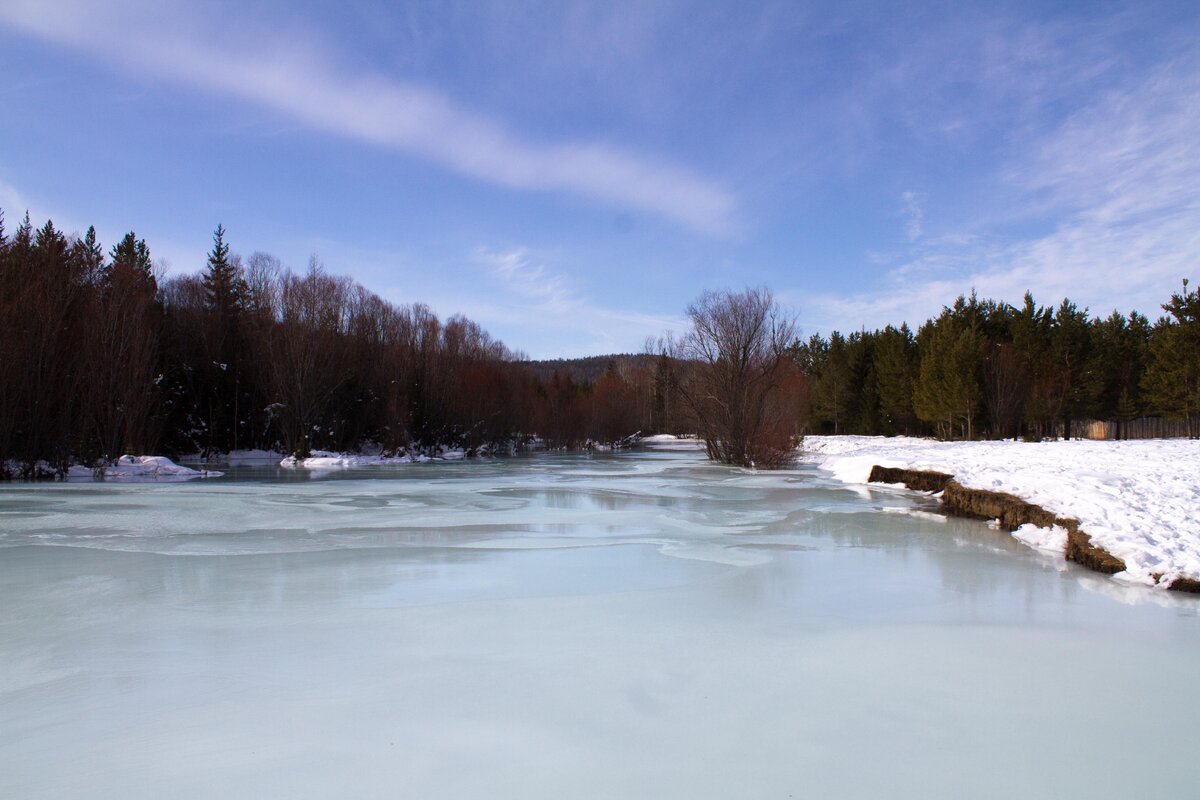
column 1137, row 500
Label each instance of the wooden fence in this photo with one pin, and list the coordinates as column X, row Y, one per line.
column 1142, row 428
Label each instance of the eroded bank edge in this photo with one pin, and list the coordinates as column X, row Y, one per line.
column 1012, row 512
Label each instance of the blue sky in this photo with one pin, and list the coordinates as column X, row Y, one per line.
column 571, row 175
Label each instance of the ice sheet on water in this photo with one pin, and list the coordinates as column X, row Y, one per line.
column 563, row 627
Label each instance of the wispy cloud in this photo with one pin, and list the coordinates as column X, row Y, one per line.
column 1116, row 187
column 13, row 204
column 914, row 215
column 290, row 76
column 546, row 306
column 527, row 279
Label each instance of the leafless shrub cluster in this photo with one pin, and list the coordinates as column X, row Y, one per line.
column 740, row 380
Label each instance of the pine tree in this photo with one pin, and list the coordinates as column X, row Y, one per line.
column 895, row 359
column 1172, row 379
column 24, row 237
column 833, row 393
column 87, row 258
column 1031, row 334
column 947, row 390
column 1119, row 364
column 124, row 353
column 223, row 287
column 224, row 294
column 864, row 411
column 50, row 244
column 131, row 264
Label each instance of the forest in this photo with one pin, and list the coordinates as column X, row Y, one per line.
column 987, row 369
column 103, row 355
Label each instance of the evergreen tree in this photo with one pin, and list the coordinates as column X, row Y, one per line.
column 50, row 245
column 23, row 240
column 864, row 410
column 833, row 394
column 1120, row 352
column 221, row 378
column 124, row 353
column 947, row 391
column 895, row 365
column 131, row 260
column 52, row 307
column 1031, row 328
column 223, row 286
column 1172, row 380
column 19, row 258
column 87, row 258
column 1071, row 351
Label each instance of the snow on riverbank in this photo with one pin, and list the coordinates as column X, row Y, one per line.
column 665, row 441
column 141, row 468
column 323, row 459
column 1139, row 500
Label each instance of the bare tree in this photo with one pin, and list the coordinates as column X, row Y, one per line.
column 740, row 383
column 307, row 363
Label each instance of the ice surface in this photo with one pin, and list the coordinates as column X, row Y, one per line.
column 1140, row 500
column 632, row 625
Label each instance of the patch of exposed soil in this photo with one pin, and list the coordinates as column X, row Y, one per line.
column 1012, row 512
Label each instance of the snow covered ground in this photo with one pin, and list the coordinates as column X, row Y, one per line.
column 1140, row 500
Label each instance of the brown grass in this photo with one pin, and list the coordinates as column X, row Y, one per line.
column 1012, row 512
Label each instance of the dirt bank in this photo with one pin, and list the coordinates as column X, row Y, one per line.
column 1012, row 512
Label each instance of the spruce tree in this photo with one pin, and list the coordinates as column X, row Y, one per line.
column 894, row 368
column 131, row 260
column 23, row 240
column 223, row 290
column 87, row 257
column 1071, row 346
column 50, row 245
column 1172, row 379
column 947, row 389
column 833, row 396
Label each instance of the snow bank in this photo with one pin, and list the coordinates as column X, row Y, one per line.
column 324, row 459
column 236, row 457
column 1139, row 500
column 142, row 468
column 665, row 441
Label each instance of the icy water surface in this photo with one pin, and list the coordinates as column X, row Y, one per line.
column 638, row 625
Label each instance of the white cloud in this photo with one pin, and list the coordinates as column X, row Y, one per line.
column 530, row 302
column 914, row 215
column 290, row 76
column 13, row 204
column 1119, row 177
column 548, row 292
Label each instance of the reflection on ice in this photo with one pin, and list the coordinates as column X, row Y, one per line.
column 640, row 624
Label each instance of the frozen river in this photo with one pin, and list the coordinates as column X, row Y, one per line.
column 628, row 626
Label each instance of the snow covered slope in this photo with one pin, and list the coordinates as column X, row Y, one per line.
column 1139, row 500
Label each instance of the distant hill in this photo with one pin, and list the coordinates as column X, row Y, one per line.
column 587, row 370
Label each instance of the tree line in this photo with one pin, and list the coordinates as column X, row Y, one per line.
column 983, row 368
column 102, row 355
